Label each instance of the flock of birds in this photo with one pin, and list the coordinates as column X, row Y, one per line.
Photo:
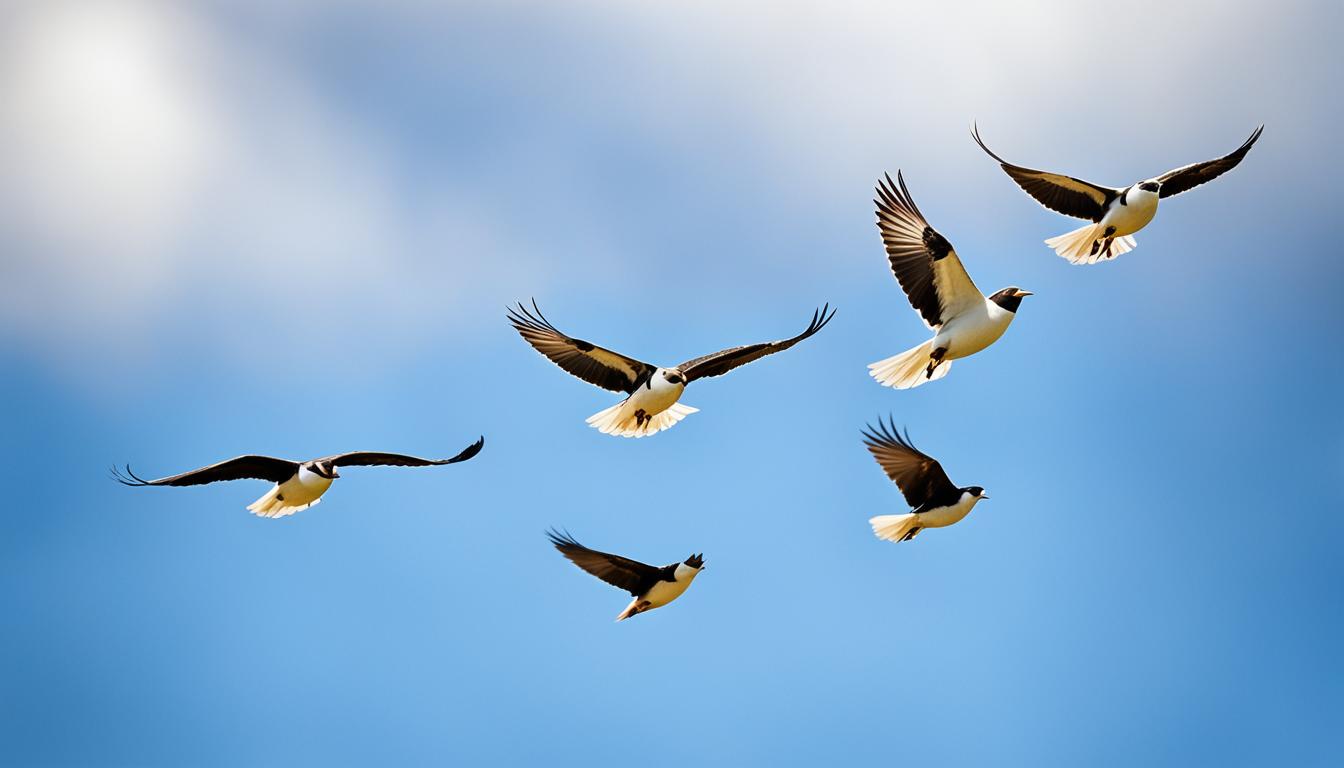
column 963, row 322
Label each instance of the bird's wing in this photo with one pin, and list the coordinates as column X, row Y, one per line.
column 919, row 476
column 372, row 458
column 237, row 468
column 595, row 365
column 1191, row 176
column 1065, row 194
column 634, row 577
column 726, row 360
column 923, row 261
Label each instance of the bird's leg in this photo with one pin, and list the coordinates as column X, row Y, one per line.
column 1109, row 237
column 641, row 416
column 935, row 360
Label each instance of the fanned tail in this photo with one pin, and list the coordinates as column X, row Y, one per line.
column 908, row 369
column 895, row 527
column 272, row 505
column 1087, row 245
column 617, row 421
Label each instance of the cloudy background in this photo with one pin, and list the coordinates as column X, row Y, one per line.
column 230, row 228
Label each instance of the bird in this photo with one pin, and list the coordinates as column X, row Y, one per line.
column 298, row 484
column 652, row 587
column 934, row 501
column 652, row 391
column 1116, row 213
column 934, row 280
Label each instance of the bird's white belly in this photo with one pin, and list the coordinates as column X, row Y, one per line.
column 665, row 592
column 304, row 488
column 945, row 516
column 1140, row 208
column 654, row 399
column 965, row 335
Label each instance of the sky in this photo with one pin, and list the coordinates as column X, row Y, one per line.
column 292, row 229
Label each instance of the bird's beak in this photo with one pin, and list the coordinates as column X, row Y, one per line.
column 335, row 474
column 984, row 495
column 1021, row 292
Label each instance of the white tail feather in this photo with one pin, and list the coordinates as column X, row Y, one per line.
column 892, row 527
column 1076, row 246
column 907, row 369
column 271, row 505
column 617, row 420
column 635, row 606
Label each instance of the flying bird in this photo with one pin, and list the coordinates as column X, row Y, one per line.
column 298, row 485
column 653, row 587
column 934, row 501
column 652, row 391
column 1116, row 213
column 934, row 280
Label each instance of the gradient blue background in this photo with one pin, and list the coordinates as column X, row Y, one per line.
column 231, row 228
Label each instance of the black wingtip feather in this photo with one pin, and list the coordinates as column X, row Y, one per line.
column 469, row 452
column 887, row 433
column 562, row 541
column 128, row 478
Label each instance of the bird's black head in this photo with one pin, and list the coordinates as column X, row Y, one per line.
column 674, row 376
column 1010, row 298
column 323, row 469
column 696, row 561
column 1150, row 186
column 977, row 492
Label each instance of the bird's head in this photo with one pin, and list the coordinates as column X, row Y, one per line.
column 696, row 561
column 1010, row 298
column 325, row 469
column 1151, row 185
column 977, row 492
column 674, row 376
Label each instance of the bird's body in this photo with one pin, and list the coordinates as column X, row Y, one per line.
column 651, row 408
column 662, row 592
column 973, row 330
column 298, row 485
column 963, row 320
column 652, row 392
column 1115, row 213
column 651, row 586
column 934, row 501
column 296, row 494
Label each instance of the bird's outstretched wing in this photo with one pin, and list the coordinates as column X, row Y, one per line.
column 1191, row 176
column 726, row 360
column 373, row 459
column 237, row 468
column 595, row 365
column 919, row 476
column 923, row 261
column 1065, row 194
column 630, row 575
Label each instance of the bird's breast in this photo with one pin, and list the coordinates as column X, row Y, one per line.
column 1140, row 207
column 970, row 332
column 665, row 592
column 658, row 396
column 944, row 516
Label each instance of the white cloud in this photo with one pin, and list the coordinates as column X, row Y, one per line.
column 171, row 181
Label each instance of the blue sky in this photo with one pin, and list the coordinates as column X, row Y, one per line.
column 1155, row 580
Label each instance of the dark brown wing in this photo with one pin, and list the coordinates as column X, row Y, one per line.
column 1065, row 194
column 372, row 459
column 634, row 577
column 595, row 365
column 237, row 468
column 923, row 261
column 919, row 476
column 726, row 360
column 1191, row 176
